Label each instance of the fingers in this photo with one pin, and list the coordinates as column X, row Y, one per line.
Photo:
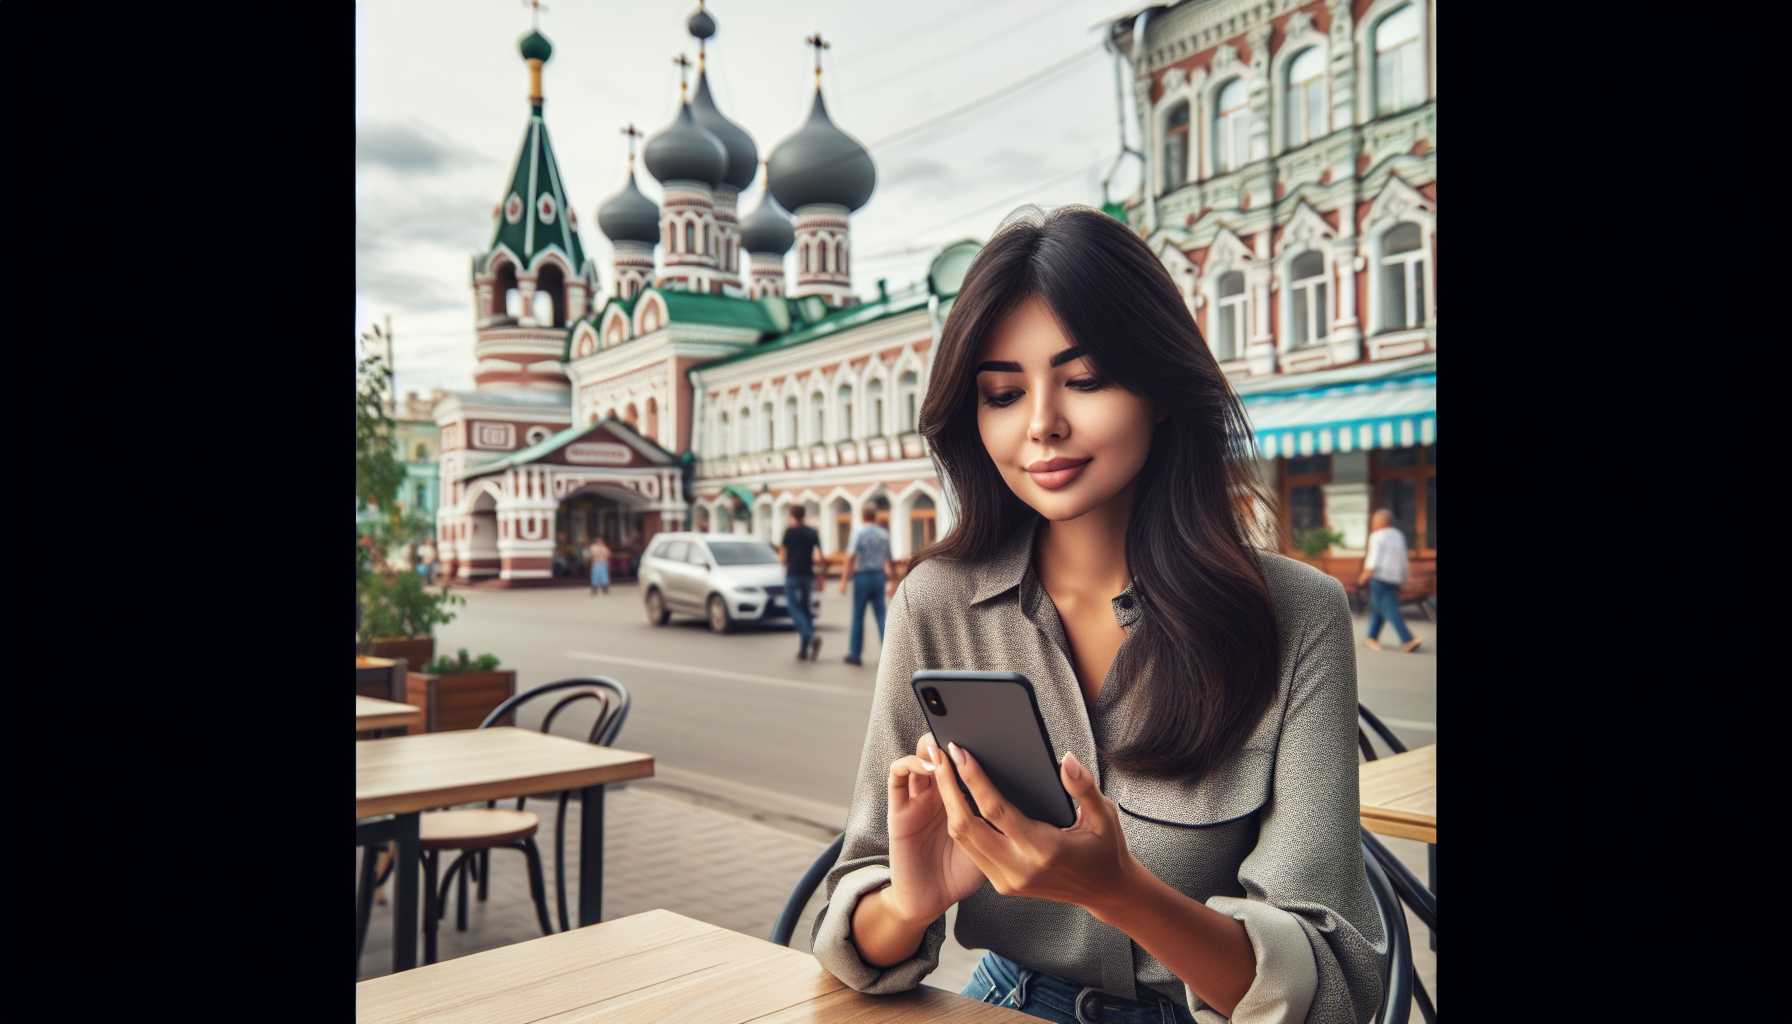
column 926, row 748
column 995, row 807
column 1091, row 802
column 962, row 823
column 909, row 778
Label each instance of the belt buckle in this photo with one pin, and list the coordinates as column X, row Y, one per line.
column 1088, row 1006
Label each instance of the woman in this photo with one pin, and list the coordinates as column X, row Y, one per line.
column 600, row 565
column 1202, row 691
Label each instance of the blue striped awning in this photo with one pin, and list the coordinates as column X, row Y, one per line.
column 1391, row 412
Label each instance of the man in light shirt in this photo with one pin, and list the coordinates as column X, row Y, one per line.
column 1384, row 570
column 868, row 570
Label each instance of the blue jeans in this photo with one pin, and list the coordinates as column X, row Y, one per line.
column 1002, row 982
column 797, row 592
column 1384, row 603
column 867, row 589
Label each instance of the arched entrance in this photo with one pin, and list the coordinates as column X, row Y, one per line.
column 599, row 510
column 481, row 546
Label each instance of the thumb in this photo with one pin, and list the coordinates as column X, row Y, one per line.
column 1077, row 781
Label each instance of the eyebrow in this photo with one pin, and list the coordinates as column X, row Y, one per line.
column 1008, row 366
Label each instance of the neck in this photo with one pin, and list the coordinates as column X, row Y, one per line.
column 1087, row 555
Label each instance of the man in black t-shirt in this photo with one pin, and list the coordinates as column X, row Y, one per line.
column 800, row 544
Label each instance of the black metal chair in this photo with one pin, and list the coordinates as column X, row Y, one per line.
column 1397, row 979
column 475, row 832
column 1421, row 897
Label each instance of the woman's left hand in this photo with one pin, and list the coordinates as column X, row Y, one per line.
column 1021, row 856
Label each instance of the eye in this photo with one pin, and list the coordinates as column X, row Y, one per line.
column 998, row 401
column 1089, row 383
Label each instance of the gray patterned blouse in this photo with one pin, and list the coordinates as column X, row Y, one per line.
column 1270, row 838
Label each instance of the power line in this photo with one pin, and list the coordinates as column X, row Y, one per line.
column 1012, row 197
column 1007, row 32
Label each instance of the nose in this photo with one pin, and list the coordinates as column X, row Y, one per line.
column 1047, row 422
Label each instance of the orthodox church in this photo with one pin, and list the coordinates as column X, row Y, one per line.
column 708, row 387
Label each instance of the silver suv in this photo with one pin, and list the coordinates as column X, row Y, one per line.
column 726, row 578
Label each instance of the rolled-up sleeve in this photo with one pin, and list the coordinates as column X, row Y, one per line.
column 1307, row 908
column 864, row 864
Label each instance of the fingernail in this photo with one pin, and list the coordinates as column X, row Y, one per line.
column 957, row 754
column 1071, row 767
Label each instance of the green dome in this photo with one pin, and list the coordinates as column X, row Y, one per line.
column 535, row 46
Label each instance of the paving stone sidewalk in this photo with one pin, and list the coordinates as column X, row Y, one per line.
column 667, row 849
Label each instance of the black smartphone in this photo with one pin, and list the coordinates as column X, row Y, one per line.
column 995, row 716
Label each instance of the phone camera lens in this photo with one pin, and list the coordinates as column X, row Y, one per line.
column 934, row 703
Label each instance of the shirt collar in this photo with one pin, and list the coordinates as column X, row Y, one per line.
column 1011, row 567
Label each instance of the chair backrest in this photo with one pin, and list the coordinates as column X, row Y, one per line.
column 1386, row 734
column 611, row 697
column 805, row 888
column 1396, row 968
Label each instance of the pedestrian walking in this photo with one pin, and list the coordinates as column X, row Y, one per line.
column 800, row 544
column 600, row 565
column 1384, row 570
column 426, row 561
column 868, row 569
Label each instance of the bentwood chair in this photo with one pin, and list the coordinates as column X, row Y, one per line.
column 475, row 832
column 1421, row 897
column 1397, row 977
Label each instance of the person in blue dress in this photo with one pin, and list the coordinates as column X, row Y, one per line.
column 600, row 565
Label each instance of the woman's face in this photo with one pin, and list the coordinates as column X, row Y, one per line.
column 1031, row 412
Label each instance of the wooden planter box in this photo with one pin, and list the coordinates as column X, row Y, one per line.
column 459, row 701
column 415, row 650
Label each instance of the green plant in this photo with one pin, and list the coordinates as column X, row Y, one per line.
column 1317, row 541
column 461, row 663
column 399, row 604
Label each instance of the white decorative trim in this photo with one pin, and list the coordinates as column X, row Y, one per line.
column 513, row 209
column 1398, row 203
column 1365, row 50
column 535, row 435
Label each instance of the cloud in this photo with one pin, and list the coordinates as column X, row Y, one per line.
column 918, row 172
column 409, row 292
column 411, row 149
column 396, row 216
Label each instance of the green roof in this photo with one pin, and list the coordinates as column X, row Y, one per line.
column 836, row 320
column 718, row 310
column 537, row 175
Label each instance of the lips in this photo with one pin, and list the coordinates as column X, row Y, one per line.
column 1056, row 473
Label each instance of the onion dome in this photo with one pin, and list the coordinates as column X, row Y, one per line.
column 820, row 164
column 701, row 24
column 743, row 155
column 685, row 151
column 629, row 216
column 535, row 46
column 767, row 230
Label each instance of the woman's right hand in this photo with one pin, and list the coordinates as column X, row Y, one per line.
column 928, row 871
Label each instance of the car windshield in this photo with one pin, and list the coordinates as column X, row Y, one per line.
column 743, row 552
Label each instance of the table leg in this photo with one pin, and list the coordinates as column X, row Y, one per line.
column 591, row 855
column 404, row 897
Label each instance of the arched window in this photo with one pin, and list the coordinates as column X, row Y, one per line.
column 1399, row 61
column 769, row 421
column 794, row 418
column 804, row 250
column 746, row 431
column 1306, row 97
column 908, row 388
column 706, row 238
column 690, row 237
column 1228, row 341
column 1231, row 127
column 422, row 453
column 653, row 418
column 725, row 444
column 844, row 397
column 503, row 287
column 1176, row 147
column 819, row 403
column 823, row 246
column 550, row 284
column 1306, row 299
column 874, row 427
column 1402, row 277
column 921, row 523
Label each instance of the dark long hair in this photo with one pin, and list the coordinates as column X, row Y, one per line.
column 1206, row 645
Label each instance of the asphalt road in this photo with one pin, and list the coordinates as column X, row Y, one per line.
column 737, row 716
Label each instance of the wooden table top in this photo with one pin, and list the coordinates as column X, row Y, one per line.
column 414, row 773
column 372, row 713
column 651, row 967
column 1399, row 794
column 369, row 661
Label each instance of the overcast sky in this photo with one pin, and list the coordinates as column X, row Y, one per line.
column 441, row 105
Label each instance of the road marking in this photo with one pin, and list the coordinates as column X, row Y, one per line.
column 717, row 673
column 1407, row 723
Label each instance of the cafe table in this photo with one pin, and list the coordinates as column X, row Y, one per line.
column 650, row 967
column 373, row 714
column 1399, row 794
column 396, row 779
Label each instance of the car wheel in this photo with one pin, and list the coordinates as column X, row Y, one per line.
column 718, row 614
column 657, row 615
